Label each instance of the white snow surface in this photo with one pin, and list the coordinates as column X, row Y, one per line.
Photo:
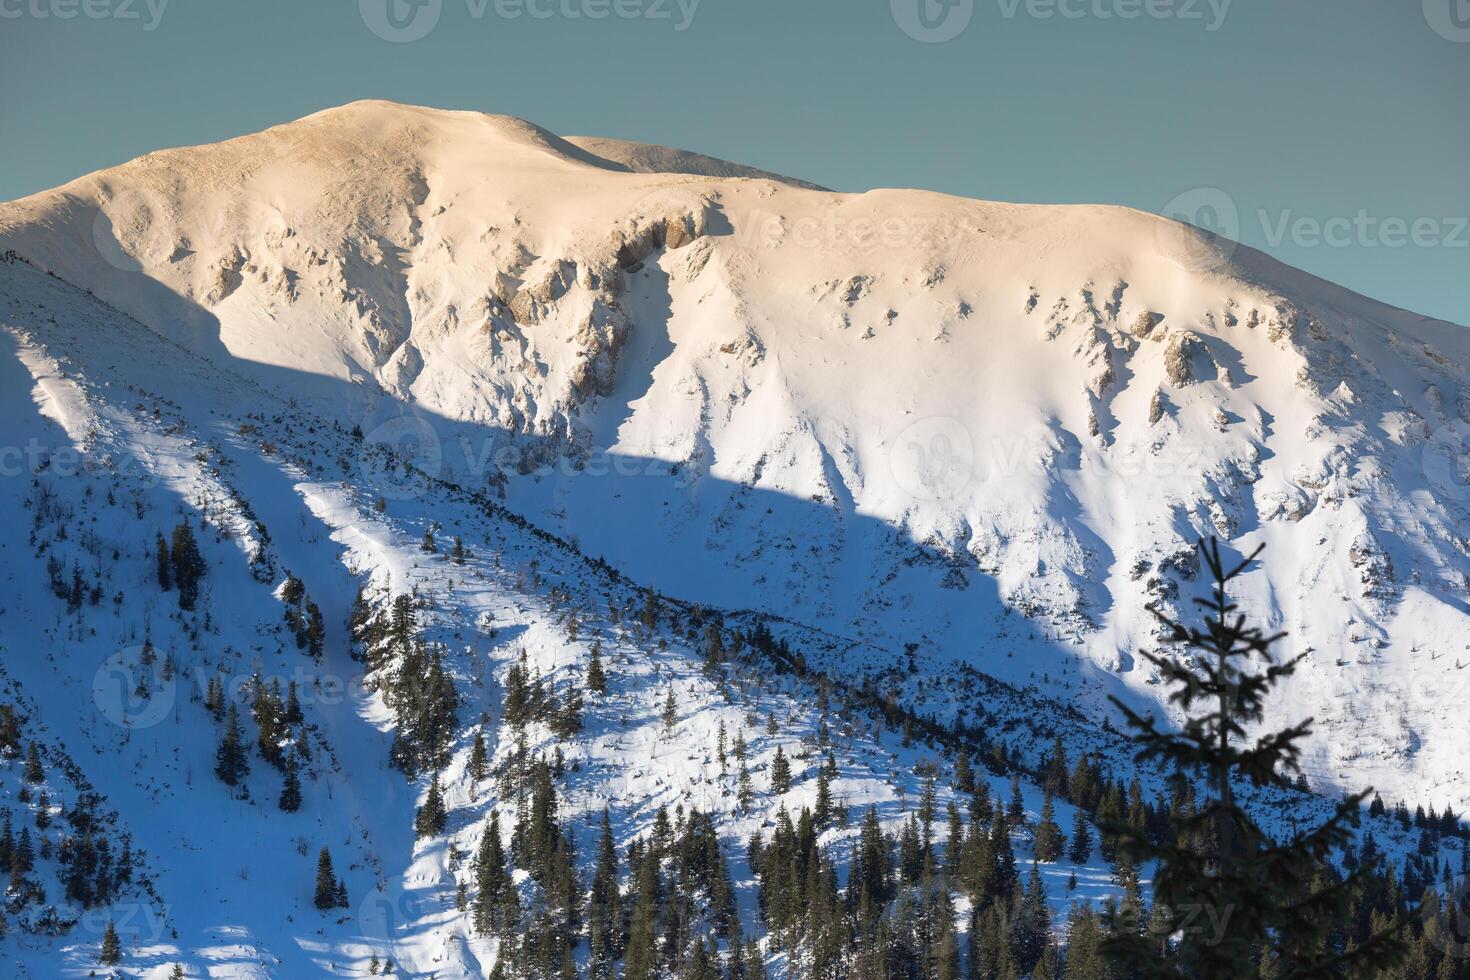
column 942, row 438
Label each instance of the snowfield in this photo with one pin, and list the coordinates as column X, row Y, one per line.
column 947, row 450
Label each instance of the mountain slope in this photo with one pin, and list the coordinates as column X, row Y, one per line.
column 952, row 448
column 1048, row 403
column 275, row 496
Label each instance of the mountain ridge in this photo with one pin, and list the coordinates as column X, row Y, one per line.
column 513, row 291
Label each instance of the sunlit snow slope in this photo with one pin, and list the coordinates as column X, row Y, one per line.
column 985, row 432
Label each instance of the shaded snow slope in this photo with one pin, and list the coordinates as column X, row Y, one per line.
column 224, row 879
column 987, row 432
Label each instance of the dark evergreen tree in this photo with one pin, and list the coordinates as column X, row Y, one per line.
column 745, row 790
column 111, row 951
column 425, row 702
column 187, row 564
column 1274, row 910
column 431, row 817
column 822, row 812
column 34, row 773
column 479, row 766
column 567, row 721
column 270, row 719
column 230, row 763
column 596, row 679
column 326, row 881
column 605, row 909
column 290, row 800
column 780, row 773
column 1080, row 849
column 1049, row 839
column 492, row 878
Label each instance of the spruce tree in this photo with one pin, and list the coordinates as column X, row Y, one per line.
column 493, row 883
column 431, row 817
column 567, row 721
column 596, row 678
column 780, row 773
column 230, row 763
column 326, row 881
column 964, row 775
column 1080, row 850
column 1268, row 907
column 605, row 910
column 111, row 949
column 479, row 766
column 1016, row 809
column 188, row 565
column 1049, row 838
column 165, row 580
column 822, row 812
column 290, row 800
column 744, row 790
column 34, row 773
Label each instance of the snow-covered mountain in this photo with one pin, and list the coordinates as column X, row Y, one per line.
column 952, row 447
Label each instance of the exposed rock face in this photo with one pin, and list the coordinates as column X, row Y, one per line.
column 1156, row 408
column 1143, row 326
column 227, row 277
column 1180, row 349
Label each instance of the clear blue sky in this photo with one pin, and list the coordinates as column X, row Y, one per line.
column 1336, row 118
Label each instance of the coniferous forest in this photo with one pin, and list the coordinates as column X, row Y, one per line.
column 1203, row 890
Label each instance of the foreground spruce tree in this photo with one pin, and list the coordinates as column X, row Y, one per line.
column 1229, row 900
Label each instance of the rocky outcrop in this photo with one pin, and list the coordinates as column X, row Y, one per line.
column 1178, row 354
